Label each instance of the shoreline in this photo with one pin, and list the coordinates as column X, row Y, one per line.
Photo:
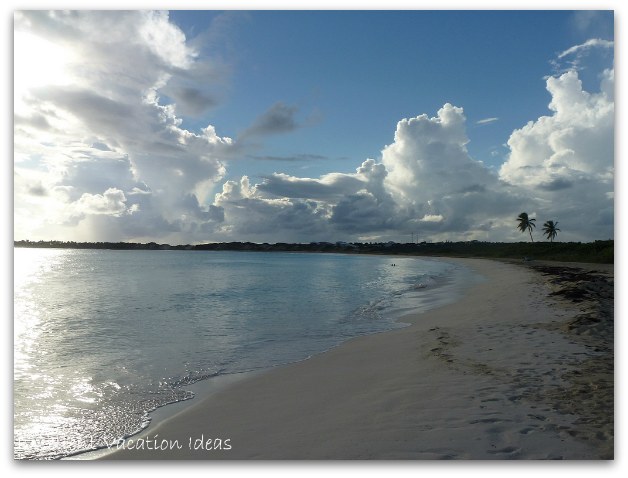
column 449, row 290
column 462, row 381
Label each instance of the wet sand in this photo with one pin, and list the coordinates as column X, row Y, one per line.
column 520, row 368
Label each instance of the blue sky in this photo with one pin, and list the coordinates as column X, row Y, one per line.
column 353, row 75
column 194, row 126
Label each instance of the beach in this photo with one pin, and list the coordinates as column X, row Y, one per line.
column 521, row 367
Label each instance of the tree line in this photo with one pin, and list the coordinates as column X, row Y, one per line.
column 597, row 251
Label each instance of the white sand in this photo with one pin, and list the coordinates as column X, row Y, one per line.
column 462, row 381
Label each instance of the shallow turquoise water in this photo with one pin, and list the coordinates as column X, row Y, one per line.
column 103, row 337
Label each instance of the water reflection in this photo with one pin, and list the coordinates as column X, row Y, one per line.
column 32, row 387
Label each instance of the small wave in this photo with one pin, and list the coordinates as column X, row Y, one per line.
column 425, row 282
column 222, row 331
column 192, row 378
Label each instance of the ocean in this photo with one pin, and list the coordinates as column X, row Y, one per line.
column 102, row 338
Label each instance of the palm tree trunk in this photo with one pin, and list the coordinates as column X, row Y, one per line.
column 531, row 238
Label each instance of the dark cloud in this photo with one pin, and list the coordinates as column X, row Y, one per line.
column 191, row 101
column 330, row 187
column 364, row 213
column 605, row 218
column 101, row 146
column 96, row 174
column 36, row 120
column 190, row 203
column 255, row 219
column 38, row 190
column 99, row 113
column 280, row 118
column 556, row 185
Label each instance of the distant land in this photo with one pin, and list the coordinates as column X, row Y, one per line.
column 597, row 252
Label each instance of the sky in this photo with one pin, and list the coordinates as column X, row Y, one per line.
column 296, row 126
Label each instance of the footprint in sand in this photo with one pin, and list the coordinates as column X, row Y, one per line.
column 509, row 450
column 488, row 420
column 527, row 430
column 537, row 417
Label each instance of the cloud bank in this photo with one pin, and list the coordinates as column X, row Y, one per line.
column 559, row 166
column 103, row 127
column 101, row 154
column 565, row 161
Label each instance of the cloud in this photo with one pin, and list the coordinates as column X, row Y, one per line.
column 556, row 184
column 369, row 176
column 38, row 190
column 575, row 141
column 111, row 202
column 431, row 175
column 334, row 185
column 559, row 166
column 426, row 183
column 279, row 118
column 102, row 159
column 574, row 57
column 593, row 22
column 249, row 216
column 102, row 124
column 429, row 159
column 370, row 209
column 363, row 212
column 191, row 101
column 565, row 161
column 304, row 209
column 587, row 45
column 432, row 218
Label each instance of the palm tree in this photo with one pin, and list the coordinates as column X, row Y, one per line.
column 550, row 230
column 526, row 224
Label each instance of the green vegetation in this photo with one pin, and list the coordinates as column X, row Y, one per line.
column 526, row 224
column 598, row 251
column 550, row 230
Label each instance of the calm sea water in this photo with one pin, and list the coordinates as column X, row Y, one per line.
column 101, row 338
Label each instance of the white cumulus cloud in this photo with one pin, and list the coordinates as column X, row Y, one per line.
column 565, row 161
column 111, row 202
column 103, row 125
column 431, row 175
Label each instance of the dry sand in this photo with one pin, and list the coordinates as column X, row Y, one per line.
column 497, row 375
